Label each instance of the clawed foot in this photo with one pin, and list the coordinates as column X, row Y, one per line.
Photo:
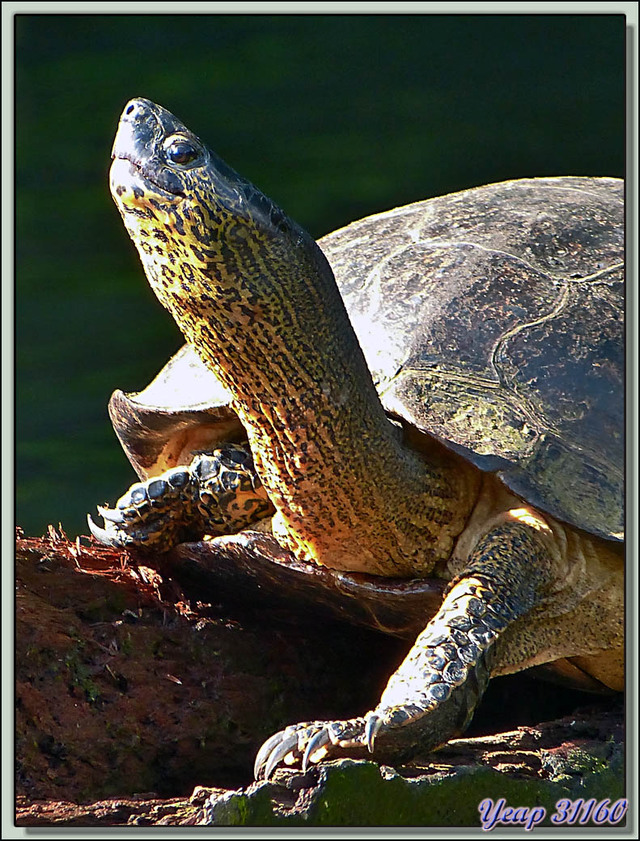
column 380, row 734
column 150, row 514
column 218, row 493
column 315, row 741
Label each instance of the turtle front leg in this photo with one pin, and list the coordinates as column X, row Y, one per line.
column 218, row 493
column 433, row 694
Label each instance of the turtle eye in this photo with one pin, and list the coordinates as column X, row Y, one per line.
column 179, row 150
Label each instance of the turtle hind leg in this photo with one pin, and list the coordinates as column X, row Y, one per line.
column 218, row 493
column 433, row 694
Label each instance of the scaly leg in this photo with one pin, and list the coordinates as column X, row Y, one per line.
column 432, row 696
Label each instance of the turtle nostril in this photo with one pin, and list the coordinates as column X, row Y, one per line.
column 130, row 109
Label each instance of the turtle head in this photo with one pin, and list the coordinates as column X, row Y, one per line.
column 197, row 224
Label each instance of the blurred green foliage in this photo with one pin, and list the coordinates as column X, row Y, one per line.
column 333, row 116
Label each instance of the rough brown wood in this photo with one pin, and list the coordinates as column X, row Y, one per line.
column 127, row 683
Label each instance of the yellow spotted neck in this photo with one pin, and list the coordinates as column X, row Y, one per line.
column 266, row 315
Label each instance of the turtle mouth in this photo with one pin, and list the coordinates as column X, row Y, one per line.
column 138, row 141
column 165, row 184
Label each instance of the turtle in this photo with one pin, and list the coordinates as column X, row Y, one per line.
column 429, row 394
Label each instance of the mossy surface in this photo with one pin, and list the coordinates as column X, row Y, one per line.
column 358, row 793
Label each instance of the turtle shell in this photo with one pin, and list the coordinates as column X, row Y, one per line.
column 493, row 320
column 183, row 410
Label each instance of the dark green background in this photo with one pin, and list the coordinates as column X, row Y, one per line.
column 334, row 117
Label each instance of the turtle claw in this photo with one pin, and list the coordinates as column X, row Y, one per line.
column 279, row 752
column 321, row 739
column 310, row 743
column 111, row 514
column 265, row 752
column 373, row 724
column 274, row 750
column 102, row 535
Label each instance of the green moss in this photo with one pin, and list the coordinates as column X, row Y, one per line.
column 126, row 645
column 103, row 610
column 362, row 794
column 79, row 674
